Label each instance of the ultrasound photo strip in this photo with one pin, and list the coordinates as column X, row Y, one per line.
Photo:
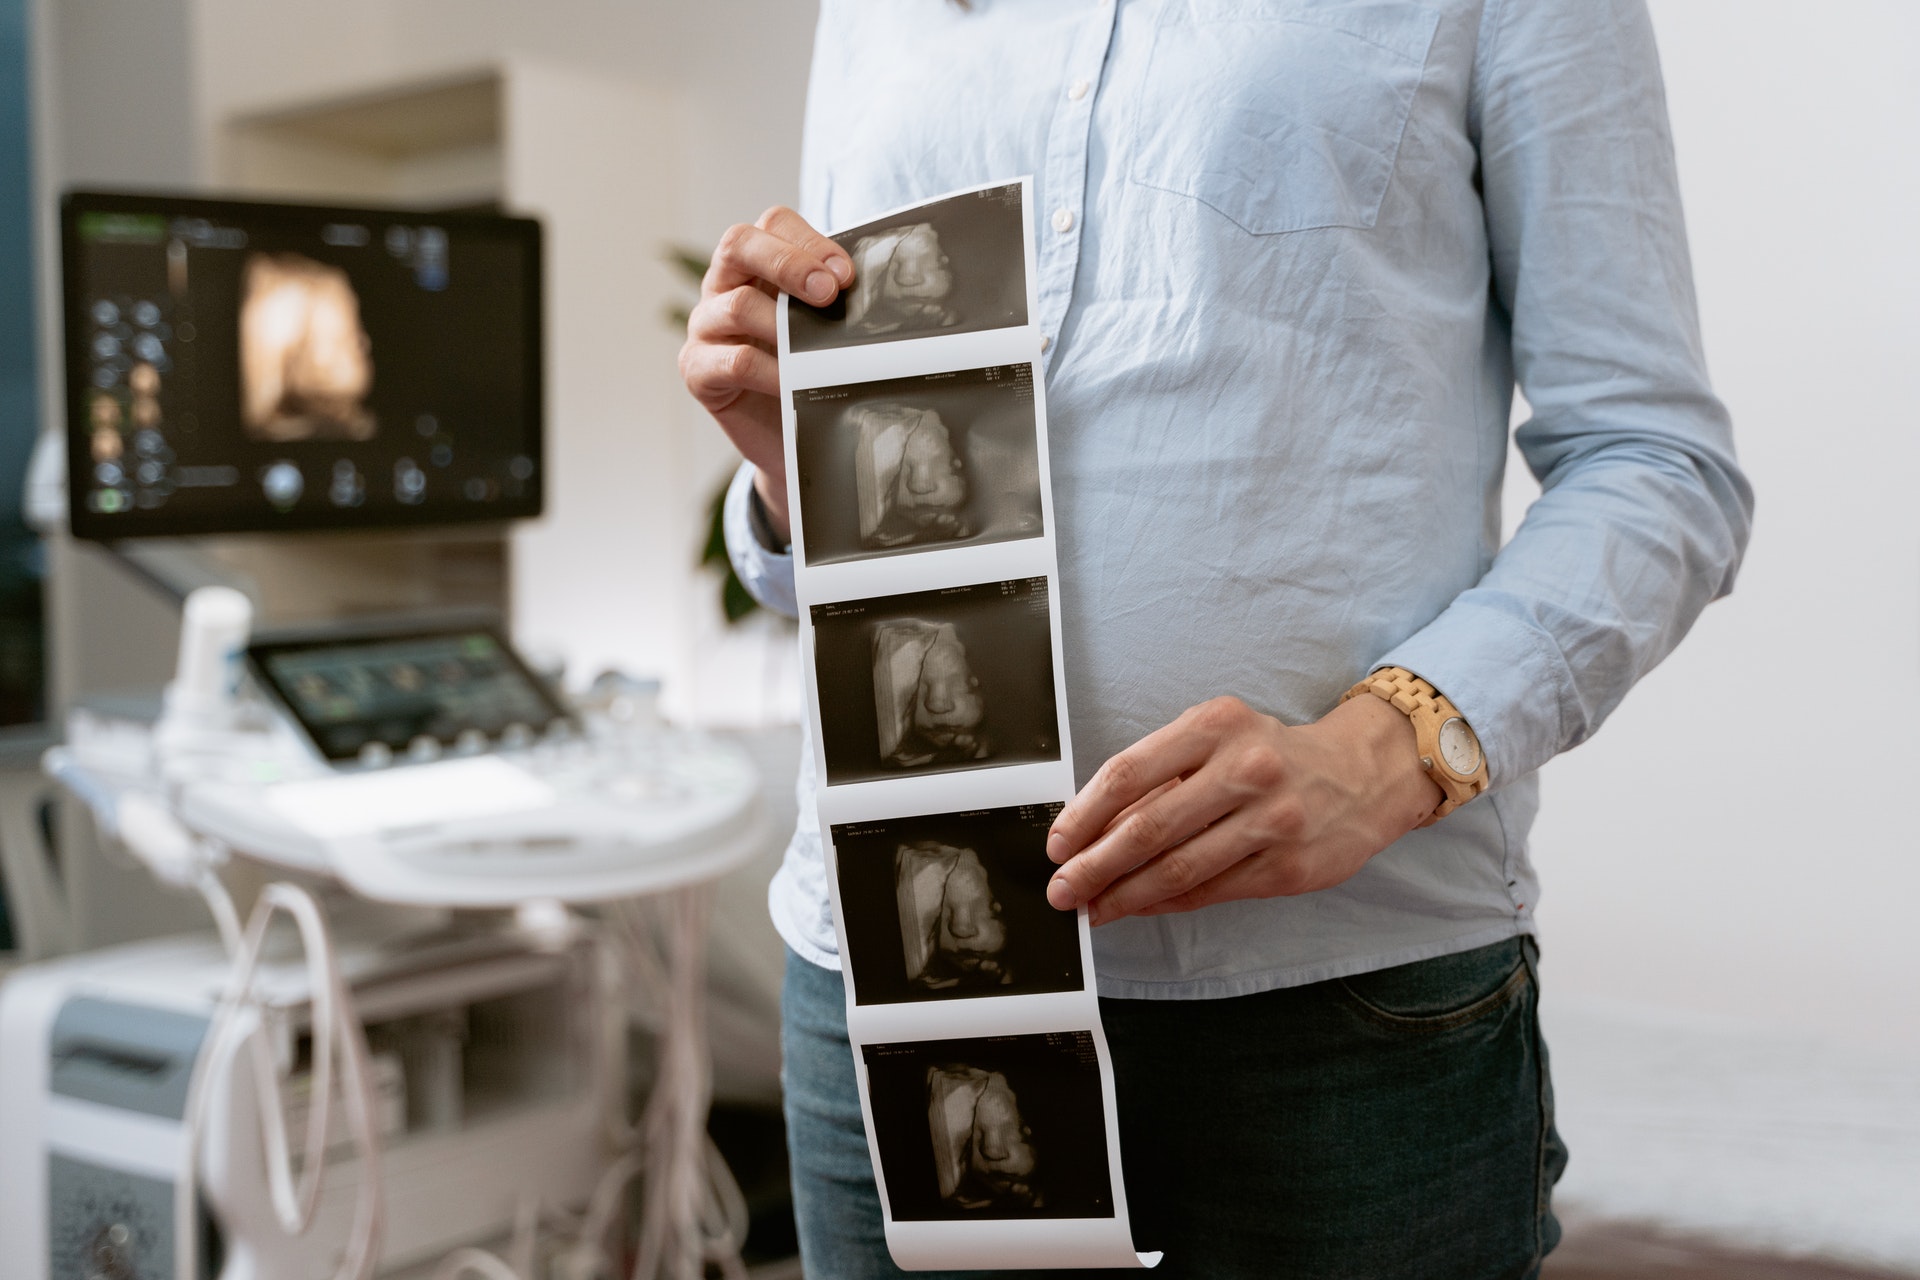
column 993, row 1127
column 952, row 906
column 906, row 464
column 915, row 425
column 933, row 681
column 953, row 265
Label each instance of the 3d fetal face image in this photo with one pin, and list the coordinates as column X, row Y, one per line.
column 901, row 281
column 950, row 924
column 926, row 697
column 908, row 478
column 981, row 1149
column 306, row 364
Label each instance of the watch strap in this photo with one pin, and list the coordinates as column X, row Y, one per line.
column 1429, row 710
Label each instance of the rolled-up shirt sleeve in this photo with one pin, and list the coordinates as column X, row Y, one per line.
column 1644, row 513
column 766, row 573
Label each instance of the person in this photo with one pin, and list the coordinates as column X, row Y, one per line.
column 1293, row 257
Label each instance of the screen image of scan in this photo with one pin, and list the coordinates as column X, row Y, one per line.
column 950, row 923
column 908, row 464
column 982, row 1147
column 927, row 702
column 902, row 279
column 952, row 906
column 956, row 678
column 306, row 363
column 997, row 1127
column 909, row 480
column 954, row 266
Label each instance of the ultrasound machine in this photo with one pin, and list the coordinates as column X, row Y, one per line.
column 439, row 886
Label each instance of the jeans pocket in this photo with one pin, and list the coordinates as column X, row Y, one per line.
column 1442, row 993
column 1283, row 115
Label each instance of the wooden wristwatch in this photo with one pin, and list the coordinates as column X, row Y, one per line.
column 1449, row 751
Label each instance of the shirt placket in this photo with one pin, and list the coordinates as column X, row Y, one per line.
column 1064, row 180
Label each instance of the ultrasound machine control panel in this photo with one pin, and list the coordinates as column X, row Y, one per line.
column 433, row 767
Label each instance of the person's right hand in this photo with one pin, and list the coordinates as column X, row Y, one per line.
column 728, row 362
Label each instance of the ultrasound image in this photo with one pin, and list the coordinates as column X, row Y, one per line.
column 954, row 266
column 930, row 681
column 908, row 464
column 993, row 1127
column 953, row 905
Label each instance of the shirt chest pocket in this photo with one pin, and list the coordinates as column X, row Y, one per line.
column 1283, row 115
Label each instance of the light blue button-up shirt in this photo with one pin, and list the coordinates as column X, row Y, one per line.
column 1293, row 257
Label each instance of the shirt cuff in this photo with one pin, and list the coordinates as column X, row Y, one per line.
column 1506, row 678
column 765, row 571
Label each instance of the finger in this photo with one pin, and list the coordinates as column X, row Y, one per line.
column 789, row 225
column 1124, row 779
column 1152, row 828
column 1060, row 848
column 718, row 373
column 748, row 254
column 1251, row 877
column 1241, row 880
column 1183, row 873
column 1142, row 803
column 744, row 312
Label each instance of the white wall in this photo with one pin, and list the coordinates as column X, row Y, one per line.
column 125, row 117
column 112, row 91
column 590, row 576
column 606, row 579
column 138, row 92
column 1740, row 839
column 739, row 67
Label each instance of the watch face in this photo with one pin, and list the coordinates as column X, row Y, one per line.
column 1459, row 748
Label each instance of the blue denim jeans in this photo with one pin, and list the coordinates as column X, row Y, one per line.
column 1397, row 1125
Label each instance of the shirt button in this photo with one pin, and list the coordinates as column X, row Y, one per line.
column 1045, row 342
column 1078, row 90
column 1063, row 220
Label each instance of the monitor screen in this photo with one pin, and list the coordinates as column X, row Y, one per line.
column 389, row 692
column 239, row 367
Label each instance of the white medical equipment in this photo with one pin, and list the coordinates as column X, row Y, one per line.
column 492, row 1070
column 427, row 768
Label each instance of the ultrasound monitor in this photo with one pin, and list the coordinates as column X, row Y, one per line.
column 241, row 367
column 388, row 693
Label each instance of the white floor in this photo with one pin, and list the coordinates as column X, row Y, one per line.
column 1759, row 1139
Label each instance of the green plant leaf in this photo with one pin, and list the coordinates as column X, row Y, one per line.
column 715, row 550
column 735, row 602
column 692, row 263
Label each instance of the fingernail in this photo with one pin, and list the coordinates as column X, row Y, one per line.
column 842, row 269
column 1057, row 847
column 820, row 286
column 1060, row 894
column 1095, row 915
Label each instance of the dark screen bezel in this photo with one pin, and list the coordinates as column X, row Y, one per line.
column 260, row 652
column 101, row 527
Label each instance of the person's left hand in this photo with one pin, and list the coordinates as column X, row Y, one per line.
column 1228, row 803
